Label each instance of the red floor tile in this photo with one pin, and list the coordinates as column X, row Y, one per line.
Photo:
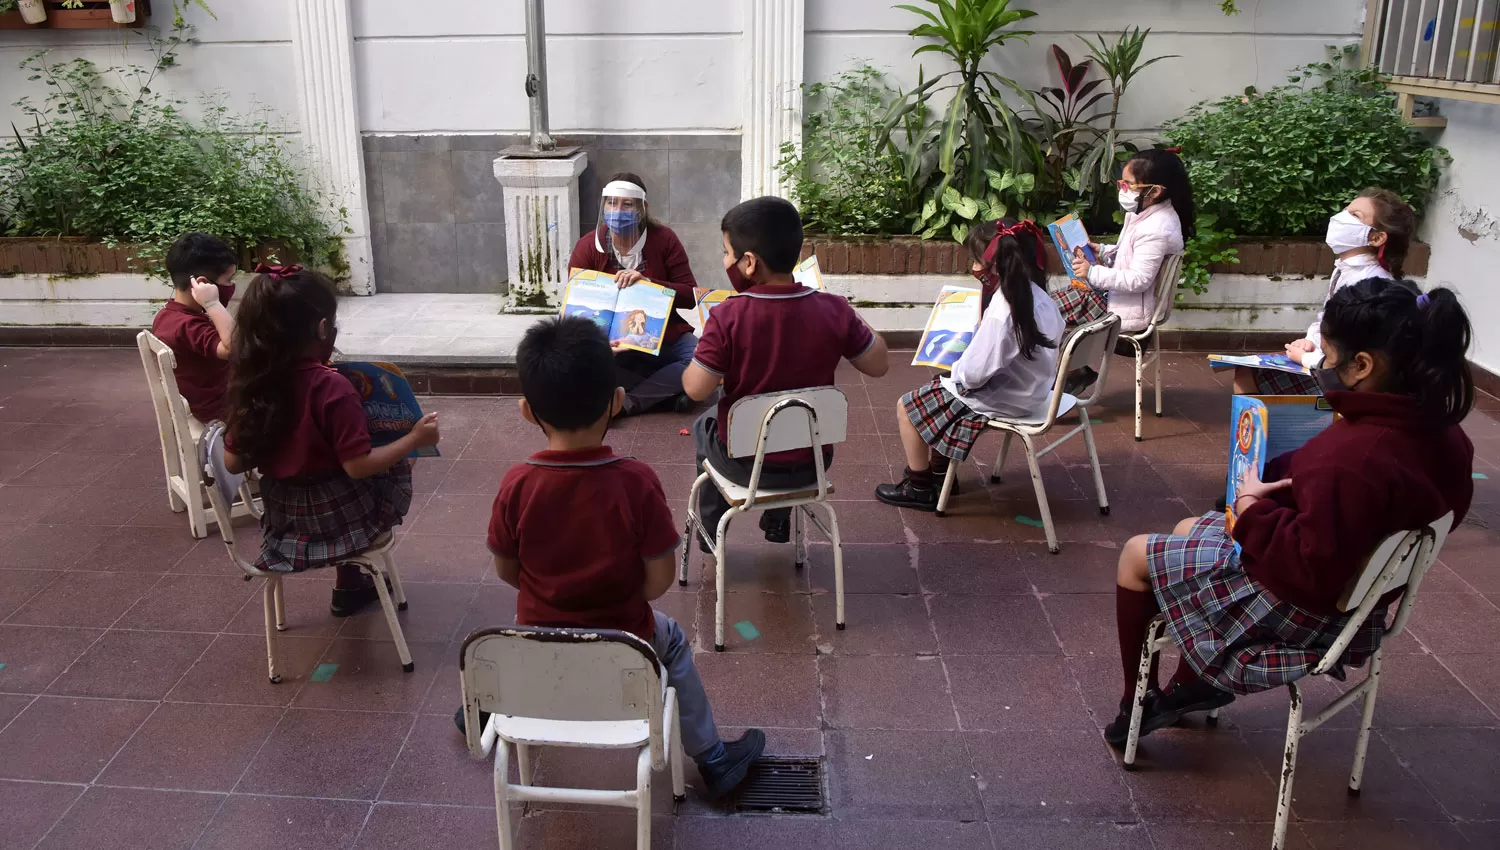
column 783, row 621
column 403, row 827
column 877, row 624
column 19, row 586
column 997, row 568
column 109, row 818
column 902, row 775
column 57, row 739
column 750, row 689
column 435, row 767
column 367, row 676
column 1069, row 836
column 192, row 747
column 454, row 514
column 191, row 603
column 867, row 569
column 131, row 665
column 342, row 754
column 751, row 833
column 140, row 550
column 255, row 823
column 1233, row 836
column 83, row 599
column 586, row 830
column 857, row 692
column 433, row 614
column 29, row 809
column 306, row 597
column 1460, row 767
column 434, row 557
column 50, row 547
column 1389, row 791
column 1454, row 622
column 1366, row 835
column 1229, row 784
column 1015, row 693
column 68, row 466
column 901, row 835
column 1058, row 774
column 35, row 655
column 25, row 505
column 1004, row 625
column 232, row 671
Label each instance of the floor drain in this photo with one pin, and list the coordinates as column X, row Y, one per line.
column 783, row 785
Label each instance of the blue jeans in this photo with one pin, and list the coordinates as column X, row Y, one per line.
column 699, row 734
column 650, row 380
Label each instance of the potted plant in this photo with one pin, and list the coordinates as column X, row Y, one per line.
column 33, row 11
column 122, row 11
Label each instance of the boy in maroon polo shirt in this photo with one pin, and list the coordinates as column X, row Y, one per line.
column 776, row 335
column 196, row 323
column 587, row 537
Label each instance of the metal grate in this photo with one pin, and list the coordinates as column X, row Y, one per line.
column 783, row 785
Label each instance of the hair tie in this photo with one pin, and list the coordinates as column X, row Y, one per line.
column 277, row 272
column 1026, row 226
column 1173, row 150
column 1423, row 300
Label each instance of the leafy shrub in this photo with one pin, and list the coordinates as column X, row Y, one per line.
column 121, row 166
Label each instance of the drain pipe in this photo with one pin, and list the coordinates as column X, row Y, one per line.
column 536, row 76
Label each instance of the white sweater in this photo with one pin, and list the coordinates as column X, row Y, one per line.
column 992, row 378
column 1127, row 271
column 1345, row 273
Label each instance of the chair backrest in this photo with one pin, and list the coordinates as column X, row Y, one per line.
column 577, row 675
column 1400, row 561
column 167, row 401
column 1166, row 290
column 1089, row 345
column 780, row 421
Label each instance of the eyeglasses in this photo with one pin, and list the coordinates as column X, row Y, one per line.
column 1127, row 186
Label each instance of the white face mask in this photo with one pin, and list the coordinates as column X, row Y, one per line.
column 1347, row 233
column 1130, row 201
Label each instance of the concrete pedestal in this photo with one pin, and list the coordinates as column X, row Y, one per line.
column 541, row 227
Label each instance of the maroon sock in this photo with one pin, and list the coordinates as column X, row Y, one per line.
column 922, row 479
column 348, row 577
column 1185, row 674
column 1134, row 610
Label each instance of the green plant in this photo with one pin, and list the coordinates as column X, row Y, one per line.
column 1228, row 7
column 178, row 7
column 1120, row 61
column 954, row 213
column 109, row 159
column 847, row 178
column 1278, row 163
column 1209, row 246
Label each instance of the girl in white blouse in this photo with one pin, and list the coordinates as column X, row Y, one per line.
column 1007, row 370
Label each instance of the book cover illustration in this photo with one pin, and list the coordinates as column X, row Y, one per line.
column 950, row 328
column 809, row 274
column 1276, row 362
column 1069, row 234
column 1267, row 427
column 390, row 404
column 634, row 317
column 1247, row 450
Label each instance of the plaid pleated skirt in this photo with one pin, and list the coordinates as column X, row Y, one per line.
column 946, row 424
column 1080, row 306
column 312, row 524
column 1276, row 382
column 1235, row 633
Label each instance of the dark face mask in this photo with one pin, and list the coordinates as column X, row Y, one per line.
column 1328, row 380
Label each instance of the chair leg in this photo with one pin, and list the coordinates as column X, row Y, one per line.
column 280, row 605
column 389, row 562
column 502, row 796
column 523, row 763
column 643, row 799
column 1140, row 376
column 1288, row 767
column 1212, row 720
column 1367, row 717
column 947, row 493
column 1041, row 494
column 838, row 563
column 691, row 531
column 799, row 537
column 1156, row 367
column 269, row 597
column 1142, row 681
column 999, row 461
column 389, row 607
column 720, row 567
column 1088, row 441
column 674, row 746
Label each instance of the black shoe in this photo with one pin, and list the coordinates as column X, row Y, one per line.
column 1078, row 382
column 1117, row 733
column 348, row 601
column 683, row 403
column 703, row 545
column 1183, row 699
column 778, row 528
column 458, row 720
column 725, row 773
column 940, row 473
column 908, row 495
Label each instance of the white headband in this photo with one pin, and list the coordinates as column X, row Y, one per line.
column 624, row 189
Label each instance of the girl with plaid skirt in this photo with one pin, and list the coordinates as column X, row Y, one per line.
column 1007, row 370
column 1369, row 238
column 1394, row 369
column 328, row 495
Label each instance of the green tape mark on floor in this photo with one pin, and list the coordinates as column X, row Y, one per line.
column 1480, row 476
column 1093, row 421
column 324, row 672
column 747, row 630
column 2, row 666
column 1026, row 520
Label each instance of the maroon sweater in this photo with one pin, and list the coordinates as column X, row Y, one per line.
column 1383, row 467
column 663, row 261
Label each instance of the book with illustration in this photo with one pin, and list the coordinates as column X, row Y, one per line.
column 704, row 301
column 950, row 328
column 390, row 405
column 1267, row 427
column 1276, row 362
column 1068, row 234
column 809, row 274
column 634, row 317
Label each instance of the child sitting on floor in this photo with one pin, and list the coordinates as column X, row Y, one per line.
column 587, row 537
column 196, row 323
column 1007, row 371
column 327, row 494
column 776, row 335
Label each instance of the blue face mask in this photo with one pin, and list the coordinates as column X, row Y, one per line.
column 622, row 222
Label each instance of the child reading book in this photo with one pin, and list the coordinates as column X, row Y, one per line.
column 1395, row 459
column 328, row 493
column 196, row 323
column 1006, row 370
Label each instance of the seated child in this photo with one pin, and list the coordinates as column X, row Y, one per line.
column 1369, row 238
column 327, row 494
column 196, row 323
column 587, row 537
column 1008, row 369
column 1395, row 459
column 776, row 335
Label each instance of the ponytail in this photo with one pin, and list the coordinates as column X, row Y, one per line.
column 1013, row 266
column 1425, row 339
column 1398, row 222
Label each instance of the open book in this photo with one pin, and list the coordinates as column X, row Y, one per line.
column 633, row 317
column 809, row 274
column 1275, row 362
column 1266, row 427
column 1068, row 234
column 951, row 327
column 390, row 404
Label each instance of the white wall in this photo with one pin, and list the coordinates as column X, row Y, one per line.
column 1463, row 226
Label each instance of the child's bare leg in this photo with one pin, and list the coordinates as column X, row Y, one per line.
column 911, row 442
column 1244, row 380
column 1183, row 528
column 1132, row 570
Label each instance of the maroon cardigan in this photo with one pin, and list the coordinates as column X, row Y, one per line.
column 1383, row 467
column 663, row 261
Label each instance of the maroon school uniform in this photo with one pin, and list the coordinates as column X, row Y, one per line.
column 583, row 524
column 328, row 427
column 773, row 338
column 202, row 378
column 663, row 261
column 1384, row 466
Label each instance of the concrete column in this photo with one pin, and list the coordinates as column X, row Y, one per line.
column 323, row 51
column 541, row 227
column 773, row 91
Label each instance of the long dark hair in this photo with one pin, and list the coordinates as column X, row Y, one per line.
column 1395, row 219
column 631, row 177
column 276, row 328
column 1017, row 266
column 1160, row 167
column 1425, row 340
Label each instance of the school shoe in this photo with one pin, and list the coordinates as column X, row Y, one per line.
column 778, row 528
column 727, row 767
column 908, row 494
column 1078, row 382
column 348, row 601
column 1117, row 733
column 458, row 720
column 683, row 403
column 1184, row 698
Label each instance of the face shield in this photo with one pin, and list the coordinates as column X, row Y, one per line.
column 621, row 229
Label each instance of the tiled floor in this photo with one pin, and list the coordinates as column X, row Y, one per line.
column 961, row 708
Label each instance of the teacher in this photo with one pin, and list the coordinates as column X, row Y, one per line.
column 631, row 245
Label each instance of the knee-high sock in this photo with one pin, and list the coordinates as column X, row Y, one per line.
column 1134, row 610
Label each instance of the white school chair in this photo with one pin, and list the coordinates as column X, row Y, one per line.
column 375, row 562
column 590, row 688
column 1400, row 562
column 181, row 434
column 1146, row 344
column 1090, row 345
column 760, row 425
